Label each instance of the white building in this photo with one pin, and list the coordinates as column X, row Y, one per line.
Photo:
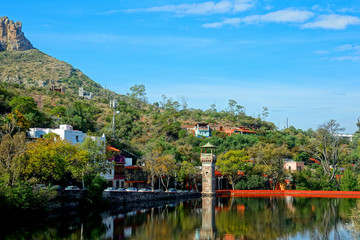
column 65, row 132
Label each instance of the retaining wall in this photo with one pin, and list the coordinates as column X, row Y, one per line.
column 294, row 193
column 115, row 197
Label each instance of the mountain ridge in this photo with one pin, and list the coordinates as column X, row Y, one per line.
column 21, row 63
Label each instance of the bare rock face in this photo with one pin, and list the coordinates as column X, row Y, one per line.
column 11, row 36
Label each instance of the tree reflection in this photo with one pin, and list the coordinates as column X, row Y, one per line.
column 235, row 218
column 271, row 218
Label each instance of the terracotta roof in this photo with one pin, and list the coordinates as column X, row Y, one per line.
column 112, row 149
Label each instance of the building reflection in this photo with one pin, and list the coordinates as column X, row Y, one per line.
column 208, row 228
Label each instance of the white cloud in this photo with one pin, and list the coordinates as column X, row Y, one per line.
column 204, row 8
column 346, row 58
column 212, row 25
column 281, row 16
column 319, row 8
column 333, row 21
column 243, row 5
column 344, row 47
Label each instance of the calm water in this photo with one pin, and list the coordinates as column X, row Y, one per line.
column 220, row 218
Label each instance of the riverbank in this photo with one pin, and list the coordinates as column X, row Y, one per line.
column 294, row 193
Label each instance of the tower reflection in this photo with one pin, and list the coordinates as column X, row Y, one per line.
column 208, row 228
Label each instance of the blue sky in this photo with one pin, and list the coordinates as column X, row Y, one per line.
column 301, row 59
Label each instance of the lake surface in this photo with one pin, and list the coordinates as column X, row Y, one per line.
column 209, row 218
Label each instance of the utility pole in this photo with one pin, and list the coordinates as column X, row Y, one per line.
column 113, row 105
column 287, row 122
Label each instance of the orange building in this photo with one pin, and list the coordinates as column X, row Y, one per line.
column 241, row 130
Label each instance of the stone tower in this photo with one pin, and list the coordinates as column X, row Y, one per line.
column 208, row 160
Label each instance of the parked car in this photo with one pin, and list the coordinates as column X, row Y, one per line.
column 56, row 187
column 39, row 186
column 171, row 190
column 144, row 190
column 158, row 190
column 121, row 190
column 131, row 189
column 110, row 189
column 72, row 188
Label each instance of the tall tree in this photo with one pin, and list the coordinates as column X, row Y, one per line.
column 272, row 157
column 231, row 163
column 12, row 153
column 326, row 147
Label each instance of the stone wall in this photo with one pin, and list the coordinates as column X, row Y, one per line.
column 126, row 197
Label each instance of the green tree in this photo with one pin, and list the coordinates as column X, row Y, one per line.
column 326, row 147
column 231, row 163
column 272, row 156
column 27, row 107
column 137, row 96
column 81, row 116
column 189, row 171
column 12, row 153
column 348, row 181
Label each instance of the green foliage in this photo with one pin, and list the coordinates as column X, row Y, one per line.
column 231, row 162
column 95, row 185
column 81, row 116
column 5, row 98
column 27, row 107
column 58, row 111
column 52, row 160
column 22, row 196
column 348, row 181
column 251, row 183
column 302, row 157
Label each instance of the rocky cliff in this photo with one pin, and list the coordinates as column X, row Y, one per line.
column 21, row 63
column 11, row 36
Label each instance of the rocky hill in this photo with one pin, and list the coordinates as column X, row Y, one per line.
column 21, row 63
column 11, row 36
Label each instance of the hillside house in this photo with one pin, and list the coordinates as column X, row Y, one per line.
column 294, row 166
column 85, row 95
column 237, row 130
column 66, row 132
column 202, row 130
column 116, row 173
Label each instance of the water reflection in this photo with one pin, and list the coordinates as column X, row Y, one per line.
column 210, row 218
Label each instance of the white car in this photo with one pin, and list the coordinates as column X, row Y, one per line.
column 131, row 189
column 72, row 188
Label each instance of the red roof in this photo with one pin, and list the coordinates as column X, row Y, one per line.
column 132, row 167
column 112, row 149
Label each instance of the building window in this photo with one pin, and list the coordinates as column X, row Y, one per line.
column 289, row 168
column 77, row 138
column 299, row 168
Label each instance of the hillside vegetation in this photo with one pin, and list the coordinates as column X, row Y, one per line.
column 156, row 132
column 35, row 68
